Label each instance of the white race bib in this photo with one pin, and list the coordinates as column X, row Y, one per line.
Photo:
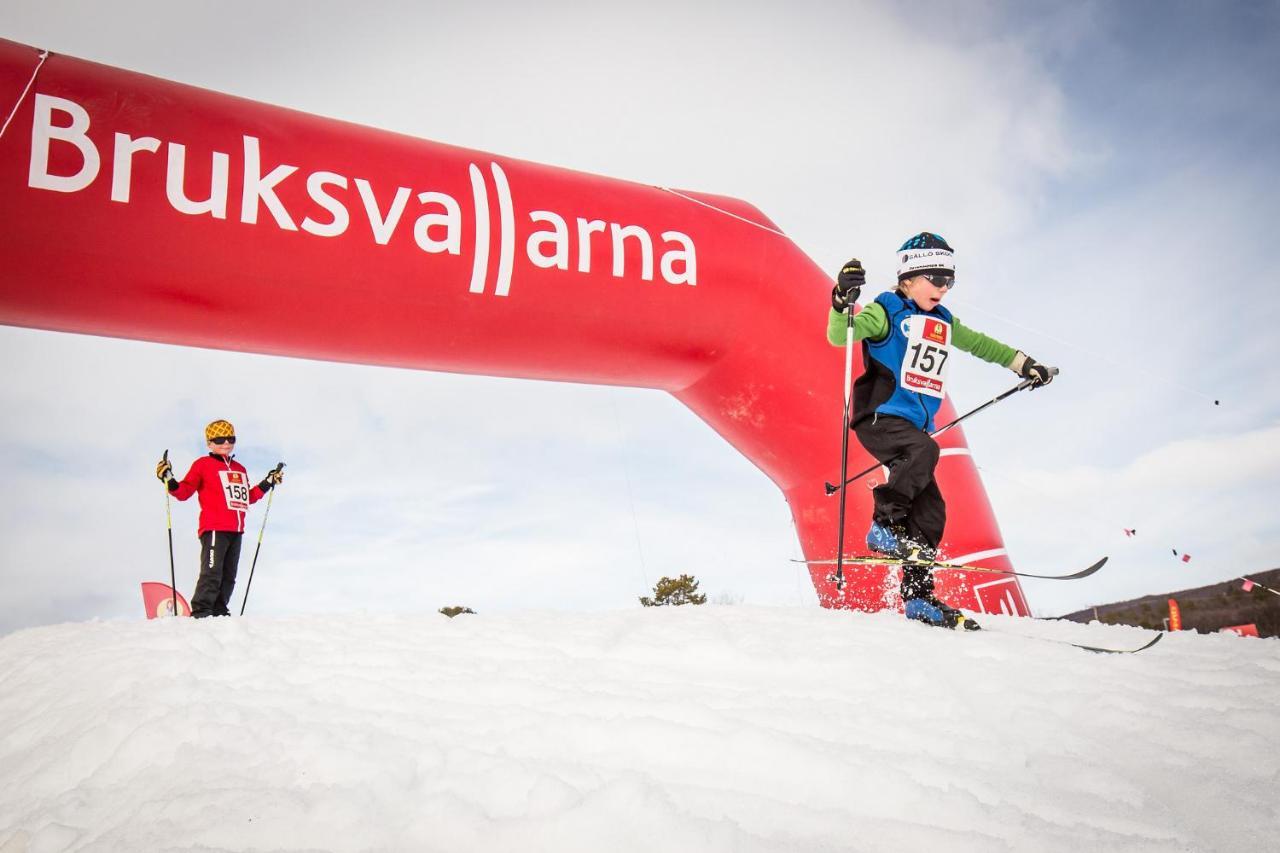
column 924, row 366
column 235, row 488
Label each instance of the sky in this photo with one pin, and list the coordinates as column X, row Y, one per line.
column 1106, row 173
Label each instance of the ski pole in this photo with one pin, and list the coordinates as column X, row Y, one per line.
column 844, row 440
column 261, row 530
column 1021, row 386
column 168, row 517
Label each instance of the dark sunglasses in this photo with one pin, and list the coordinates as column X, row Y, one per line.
column 945, row 282
column 224, row 439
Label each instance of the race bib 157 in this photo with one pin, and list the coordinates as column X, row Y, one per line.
column 924, row 367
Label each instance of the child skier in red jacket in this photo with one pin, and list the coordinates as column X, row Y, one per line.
column 225, row 496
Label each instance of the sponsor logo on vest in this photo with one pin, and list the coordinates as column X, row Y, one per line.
column 935, row 331
column 915, row 380
column 438, row 228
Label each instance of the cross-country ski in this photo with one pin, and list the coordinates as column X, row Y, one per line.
column 942, row 565
column 1088, row 648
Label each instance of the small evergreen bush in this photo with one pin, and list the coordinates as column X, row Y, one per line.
column 674, row 592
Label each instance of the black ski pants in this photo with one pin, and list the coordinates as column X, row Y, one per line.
column 219, row 560
column 910, row 497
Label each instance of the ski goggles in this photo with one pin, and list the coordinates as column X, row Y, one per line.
column 224, row 439
column 943, row 282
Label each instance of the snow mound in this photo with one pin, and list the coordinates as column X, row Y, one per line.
column 674, row 729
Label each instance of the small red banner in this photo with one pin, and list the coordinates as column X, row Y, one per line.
column 1250, row 630
column 157, row 598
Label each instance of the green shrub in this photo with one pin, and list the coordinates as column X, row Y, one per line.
column 674, row 592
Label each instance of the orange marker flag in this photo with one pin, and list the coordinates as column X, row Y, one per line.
column 1175, row 616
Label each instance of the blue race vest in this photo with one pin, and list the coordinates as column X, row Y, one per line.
column 889, row 354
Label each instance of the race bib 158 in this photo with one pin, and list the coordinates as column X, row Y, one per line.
column 235, row 488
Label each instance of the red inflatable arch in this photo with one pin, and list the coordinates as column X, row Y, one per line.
column 140, row 208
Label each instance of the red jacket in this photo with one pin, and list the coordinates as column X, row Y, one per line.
column 224, row 490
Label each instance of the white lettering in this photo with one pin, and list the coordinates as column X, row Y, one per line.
column 686, row 254
column 122, row 162
column 44, row 131
column 175, row 180
column 316, row 182
column 620, row 233
column 450, row 220
column 258, row 188
column 383, row 228
column 585, row 229
column 506, row 231
column 480, row 263
column 437, row 229
column 559, row 236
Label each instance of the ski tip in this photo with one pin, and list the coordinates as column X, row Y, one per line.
column 1086, row 572
column 1141, row 648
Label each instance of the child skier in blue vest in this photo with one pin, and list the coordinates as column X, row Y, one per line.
column 907, row 337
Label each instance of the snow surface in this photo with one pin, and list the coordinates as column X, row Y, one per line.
column 674, row 729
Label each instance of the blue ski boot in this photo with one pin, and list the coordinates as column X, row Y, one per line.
column 893, row 540
column 887, row 539
column 931, row 611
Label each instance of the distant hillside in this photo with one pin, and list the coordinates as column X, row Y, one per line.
column 1206, row 608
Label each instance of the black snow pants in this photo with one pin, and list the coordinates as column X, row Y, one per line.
column 910, row 497
column 219, row 560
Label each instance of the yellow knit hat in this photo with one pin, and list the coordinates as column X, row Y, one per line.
column 219, row 429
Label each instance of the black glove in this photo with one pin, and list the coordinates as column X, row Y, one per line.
column 274, row 478
column 848, row 285
column 164, row 470
column 1028, row 368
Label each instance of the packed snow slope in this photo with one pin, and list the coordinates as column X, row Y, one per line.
column 674, row 729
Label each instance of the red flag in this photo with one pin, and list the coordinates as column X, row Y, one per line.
column 157, row 598
column 1175, row 616
column 1247, row 586
column 1186, row 558
column 1250, row 630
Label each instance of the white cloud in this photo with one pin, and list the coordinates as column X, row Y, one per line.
column 1206, row 497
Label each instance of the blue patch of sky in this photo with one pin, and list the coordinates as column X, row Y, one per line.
column 1159, row 87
